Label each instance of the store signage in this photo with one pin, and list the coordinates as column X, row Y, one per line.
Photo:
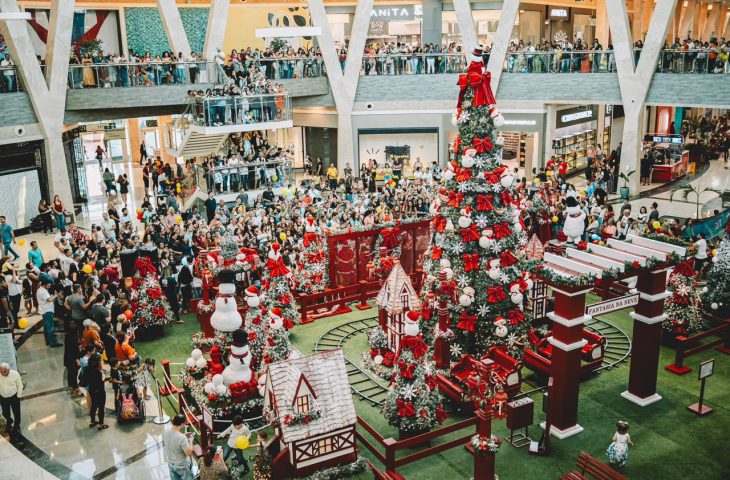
column 612, row 305
column 389, row 13
column 150, row 123
column 530, row 123
column 575, row 116
column 675, row 139
column 119, row 134
column 559, row 13
column 98, row 127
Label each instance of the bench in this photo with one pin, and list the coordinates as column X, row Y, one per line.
column 507, row 368
column 590, row 468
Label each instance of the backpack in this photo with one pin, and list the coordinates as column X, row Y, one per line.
column 128, row 408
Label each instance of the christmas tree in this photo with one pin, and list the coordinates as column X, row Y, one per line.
column 277, row 291
column 478, row 235
column 262, row 464
column 149, row 304
column 255, row 325
column 311, row 274
column 277, row 345
column 715, row 296
column 413, row 404
column 684, row 306
column 229, row 247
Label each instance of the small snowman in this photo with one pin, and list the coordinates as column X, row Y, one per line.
column 276, row 318
column 252, row 297
column 446, row 267
column 506, row 178
column 435, row 207
column 467, row 296
column 494, row 271
column 239, row 361
column 262, row 384
column 497, row 117
column 467, row 158
column 449, row 171
column 515, row 293
column 465, row 219
column 527, row 281
column 226, row 318
column 500, row 327
column 487, row 238
column 410, row 327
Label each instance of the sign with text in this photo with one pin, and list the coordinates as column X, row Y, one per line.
column 675, row 139
column 559, row 13
column 388, row 13
column 612, row 305
column 575, row 116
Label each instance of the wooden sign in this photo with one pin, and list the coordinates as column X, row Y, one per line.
column 612, row 305
column 207, row 418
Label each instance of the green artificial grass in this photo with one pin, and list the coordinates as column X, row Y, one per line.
column 670, row 441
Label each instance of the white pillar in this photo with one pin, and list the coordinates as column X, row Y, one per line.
column 547, row 135
column 501, row 41
column 465, row 20
column 172, row 22
column 217, row 21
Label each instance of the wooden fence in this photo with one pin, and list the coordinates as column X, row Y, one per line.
column 687, row 346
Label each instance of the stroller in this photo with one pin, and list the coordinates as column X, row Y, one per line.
column 130, row 405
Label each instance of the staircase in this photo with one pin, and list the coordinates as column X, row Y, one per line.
column 194, row 144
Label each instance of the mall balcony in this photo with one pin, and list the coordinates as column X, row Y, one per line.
column 207, row 121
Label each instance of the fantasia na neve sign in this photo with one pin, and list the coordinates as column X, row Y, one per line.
column 612, row 305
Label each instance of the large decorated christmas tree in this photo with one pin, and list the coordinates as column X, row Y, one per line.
column 311, row 274
column 277, row 290
column 478, row 235
column 683, row 307
column 149, row 304
column 715, row 296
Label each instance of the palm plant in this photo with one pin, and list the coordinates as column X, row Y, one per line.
column 626, row 177
column 690, row 189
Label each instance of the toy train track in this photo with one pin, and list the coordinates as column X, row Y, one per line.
column 618, row 344
column 362, row 384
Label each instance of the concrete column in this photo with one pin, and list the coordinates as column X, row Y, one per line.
column 468, row 31
column 548, row 135
column 431, row 22
column 47, row 94
column 501, row 41
column 172, row 22
column 686, row 24
column 134, row 139
column 217, row 21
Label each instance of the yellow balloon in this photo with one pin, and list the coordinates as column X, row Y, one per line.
column 178, row 219
column 21, row 242
column 242, row 442
column 555, row 219
column 714, row 252
column 23, row 323
column 536, row 181
column 656, row 224
column 549, row 173
column 86, row 268
column 282, row 236
column 582, row 193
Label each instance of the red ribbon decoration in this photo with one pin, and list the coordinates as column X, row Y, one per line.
column 310, row 237
column 441, row 414
column 478, row 81
column 484, row 203
column 405, row 409
column 455, row 199
column 501, row 230
column 515, row 317
column 390, row 237
column 158, row 312
column 276, row 267
column 154, row 293
column 415, row 344
column 406, row 370
column 470, row 234
column 436, row 253
column 506, row 197
column 457, row 144
column 144, row 266
column 448, row 288
column 467, row 322
column 388, row 359
column 463, row 174
column 476, row 384
column 496, row 294
column 491, row 178
column 507, row 259
column 471, row 261
column 439, row 223
column 483, row 144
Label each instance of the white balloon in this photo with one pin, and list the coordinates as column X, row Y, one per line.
column 445, row 263
column 217, row 379
column 201, row 363
column 498, row 121
column 516, row 298
column 196, row 354
column 190, row 362
column 714, row 306
column 221, row 389
column 449, row 273
column 378, row 359
column 209, row 388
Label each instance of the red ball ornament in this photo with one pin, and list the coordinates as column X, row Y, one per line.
column 212, row 397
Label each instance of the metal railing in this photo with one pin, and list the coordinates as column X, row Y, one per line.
column 241, row 110
column 289, row 67
column 247, row 176
column 413, row 63
column 708, row 60
column 561, row 61
column 144, row 74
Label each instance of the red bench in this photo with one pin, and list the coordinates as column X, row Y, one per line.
column 539, row 359
column 454, row 386
column 507, row 369
column 590, row 468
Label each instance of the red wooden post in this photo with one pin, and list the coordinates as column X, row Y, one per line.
column 389, row 444
column 648, row 316
column 484, row 464
column 167, row 387
column 678, row 365
column 567, row 341
column 304, row 308
column 363, row 295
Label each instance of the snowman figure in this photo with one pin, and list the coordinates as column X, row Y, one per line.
column 506, row 178
column 515, row 293
column 500, row 327
column 464, row 219
column 435, row 207
column 226, row 317
column 467, row 296
column 487, row 238
column 252, row 297
column 410, row 327
column 494, row 271
column 239, row 361
column 527, row 280
column 446, row 267
column 450, row 171
column 262, row 384
column 574, row 223
column 276, row 318
column 467, row 158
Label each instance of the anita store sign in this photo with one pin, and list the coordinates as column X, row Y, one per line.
column 388, row 13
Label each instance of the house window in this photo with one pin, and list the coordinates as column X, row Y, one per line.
column 326, row 445
column 302, row 405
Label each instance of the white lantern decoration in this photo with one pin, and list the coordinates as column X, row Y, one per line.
column 221, row 389
column 201, row 363
column 217, row 379
column 196, row 354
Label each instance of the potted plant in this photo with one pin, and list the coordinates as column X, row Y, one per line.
column 626, row 176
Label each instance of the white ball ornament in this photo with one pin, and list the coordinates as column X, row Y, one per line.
column 704, row 290
column 378, row 359
column 465, row 300
column 516, row 298
column 190, row 362
column 196, row 354
column 449, row 273
column 209, row 388
column 217, row 379
column 464, row 221
column 221, row 389
column 714, row 259
column 201, row 363
column 714, row 306
column 507, row 180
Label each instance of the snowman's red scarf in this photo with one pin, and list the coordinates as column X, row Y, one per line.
column 239, row 357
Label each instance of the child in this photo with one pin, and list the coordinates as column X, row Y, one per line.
column 237, row 429
column 27, row 295
column 618, row 451
column 145, row 378
column 115, row 377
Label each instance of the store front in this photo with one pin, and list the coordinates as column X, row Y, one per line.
column 398, row 151
column 111, row 136
column 388, row 23
column 576, row 131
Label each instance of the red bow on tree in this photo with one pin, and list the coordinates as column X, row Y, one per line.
column 441, row 413
column 154, row 293
column 479, row 83
column 158, row 312
column 439, row 223
column 491, row 178
column 496, row 294
column 483, row 144
column 388, row 359
column 406, row 370
column 448, row 288
column 515, row 317
column 144, row 266
column 457, row 144
column 251, row 336
column 276, row 267
column 471, row 261
column 309, row 237
column 534, row 339
column 390, row 237
column 463, row 174
column 455, row 199
column 430, row 382
column 470, row 234
column 415, row 344
column 467, row 322
column 436, row 253
column 284, row 299
column 506, row 258
column 386, row 263
column 501, row 230
column 506, row 197
column 484, row 202
column 405, row 409
column 316, row 257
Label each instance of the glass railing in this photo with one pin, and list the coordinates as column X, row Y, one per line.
column 413, row 63
column 287, row 68
column 150, row 74
column 694, row 61
column 9, row 80
column 242, row 175
column 240, row 110
column 561, row 61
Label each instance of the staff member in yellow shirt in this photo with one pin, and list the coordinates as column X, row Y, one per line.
column 332, row 175
column 11, row 389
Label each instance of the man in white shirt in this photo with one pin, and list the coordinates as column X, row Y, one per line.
column 8, row 72
column 62, row 234
column 701, row 255
column 11, row 389
column 46, row 303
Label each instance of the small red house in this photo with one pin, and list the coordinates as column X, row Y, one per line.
column 396, row 297
column 311, row 398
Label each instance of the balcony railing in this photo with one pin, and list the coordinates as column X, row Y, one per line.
column 248, row 176
column 150, row 74
column 413, row 63
column 290, row 67
column 241, row 110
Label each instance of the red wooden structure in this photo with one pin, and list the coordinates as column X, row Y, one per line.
column 687, row 346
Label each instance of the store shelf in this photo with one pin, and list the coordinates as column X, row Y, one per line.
column 573, row 148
